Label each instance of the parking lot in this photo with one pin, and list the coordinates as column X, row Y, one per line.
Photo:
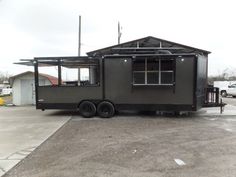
column 202, row 144
column 22, row 130
column 230, row 100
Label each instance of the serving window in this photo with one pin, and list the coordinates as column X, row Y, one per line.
column 81, row 72
column 153, row 71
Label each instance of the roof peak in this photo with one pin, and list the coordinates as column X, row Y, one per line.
column 149, row 41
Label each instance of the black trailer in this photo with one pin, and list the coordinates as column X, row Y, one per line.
column 147, row 74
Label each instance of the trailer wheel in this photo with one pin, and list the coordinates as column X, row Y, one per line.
column 87, row 109
column 105, row 109
column 223, row 93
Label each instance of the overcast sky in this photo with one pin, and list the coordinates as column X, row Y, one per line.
column 30, row 28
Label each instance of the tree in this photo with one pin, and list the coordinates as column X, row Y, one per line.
column 4, row 76
column 226, row 75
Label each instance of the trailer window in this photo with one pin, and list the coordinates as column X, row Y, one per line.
column 139, row 71
column 152, row 78
column 47, row 75
column 167, row 72
column 139, row 65
column 69, row 75
column 80, row 76
column 68, row 72
column 153, row 72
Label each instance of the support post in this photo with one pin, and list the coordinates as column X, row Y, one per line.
column 78, row 76
column 92, row 75
column 36, row 81
column 59, row 72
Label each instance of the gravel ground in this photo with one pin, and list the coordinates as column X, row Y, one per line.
column 136, row 145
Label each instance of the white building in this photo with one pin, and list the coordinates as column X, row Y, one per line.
column 23, row 88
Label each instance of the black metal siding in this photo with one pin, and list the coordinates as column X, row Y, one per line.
column 119, row 88
column 201, row 80
column 68, row 94
column 72, row 95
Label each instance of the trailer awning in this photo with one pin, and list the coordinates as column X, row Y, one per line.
column 26, row 63
column 70, row 62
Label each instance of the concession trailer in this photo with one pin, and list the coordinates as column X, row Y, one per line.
column 148, row 74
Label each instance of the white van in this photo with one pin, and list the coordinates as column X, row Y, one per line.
column 230, row 91
column 6, row 91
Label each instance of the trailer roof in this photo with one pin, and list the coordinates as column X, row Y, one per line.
column 74, row 61
column 147, row 45
column 150, row 55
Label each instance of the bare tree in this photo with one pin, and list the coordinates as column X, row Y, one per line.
column 4, row 76
column 226, row 75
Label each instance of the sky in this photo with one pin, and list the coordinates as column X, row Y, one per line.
column 30, row 28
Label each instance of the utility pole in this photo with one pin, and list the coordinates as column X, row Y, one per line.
column 79, row 48
column 79, row 45
column 119, row 32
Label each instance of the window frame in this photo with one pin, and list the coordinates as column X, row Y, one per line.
column 159, row 71
column 84, row 83
column 60, row 64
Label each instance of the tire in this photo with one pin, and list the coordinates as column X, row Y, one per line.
column 105, row 109
column 224, row 93
column 87, row 109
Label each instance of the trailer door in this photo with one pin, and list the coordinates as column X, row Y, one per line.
column 118, row 78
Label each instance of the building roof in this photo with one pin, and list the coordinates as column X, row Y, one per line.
column 53, row 80
column 146, row 45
